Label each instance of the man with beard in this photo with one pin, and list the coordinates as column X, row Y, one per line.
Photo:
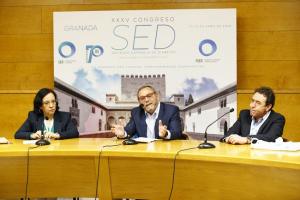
column 152, row 119
column 259, row 122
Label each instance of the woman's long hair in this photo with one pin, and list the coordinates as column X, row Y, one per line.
column 38, row 100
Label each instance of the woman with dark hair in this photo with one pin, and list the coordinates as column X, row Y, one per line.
column 45, row 115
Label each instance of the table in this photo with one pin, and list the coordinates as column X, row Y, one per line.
column 225, row 172
column 66, row 168
column 69, row 168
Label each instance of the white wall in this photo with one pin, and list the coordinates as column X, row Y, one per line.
column 209, row 113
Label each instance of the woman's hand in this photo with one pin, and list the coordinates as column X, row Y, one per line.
column 50, row 135
column 36, row 135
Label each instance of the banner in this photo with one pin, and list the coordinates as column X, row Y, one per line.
column 101, row 58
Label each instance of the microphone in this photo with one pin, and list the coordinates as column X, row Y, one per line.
column 42, row 141
column 129, row 141
column 205, row 144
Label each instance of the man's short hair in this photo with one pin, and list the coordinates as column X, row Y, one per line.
column 268, row 93
column 145, row 86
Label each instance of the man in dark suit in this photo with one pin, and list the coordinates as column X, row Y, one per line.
column 152, row 119
column 259, row 122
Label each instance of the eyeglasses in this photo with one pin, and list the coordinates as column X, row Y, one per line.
column 143, row 98
column 47, row 103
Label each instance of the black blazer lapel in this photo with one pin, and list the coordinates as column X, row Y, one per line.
column 143, row 123
column 57, row 123
column 156, row 128
column 160, row 117
column 248, row 125
column 246, row 120
column 40, row 123
column 268, row 120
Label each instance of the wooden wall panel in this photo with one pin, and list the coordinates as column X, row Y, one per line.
column 268, row 50
column 26, row 76
column 266, row 16
column 14, row 110
column 38, row 2
column 278, row 45
column 103, row 2
column 281, row 75
column 20, row 20
column 26, row 48
column 286, row 104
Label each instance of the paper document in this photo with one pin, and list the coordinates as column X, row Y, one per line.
column 278, row 145
column 29, row 141
column 144, row 139
column 3, row 140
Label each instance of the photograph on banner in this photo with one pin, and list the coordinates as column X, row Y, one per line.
column 101, row 58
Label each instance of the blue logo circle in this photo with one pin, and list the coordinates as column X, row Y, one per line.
column 68, row 44
column 97, row 51
column 207, row 42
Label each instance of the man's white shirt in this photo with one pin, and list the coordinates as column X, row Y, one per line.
column 150, row 121
column 255, row 125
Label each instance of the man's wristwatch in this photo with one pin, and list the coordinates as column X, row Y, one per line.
column 57, row 135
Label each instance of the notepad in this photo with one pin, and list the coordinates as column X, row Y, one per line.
column 278, row 145
column 144, row 139
column 29, row 141
column 3, row 140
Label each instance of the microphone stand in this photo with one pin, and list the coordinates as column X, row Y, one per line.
column 205, row 144
column 129, row 141
column 42, row 141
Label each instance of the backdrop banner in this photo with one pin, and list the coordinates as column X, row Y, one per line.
column 101, row 58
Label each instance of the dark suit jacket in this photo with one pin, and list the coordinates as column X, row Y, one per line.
column 62, row 125
column 168, row 114
column 271, row 129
